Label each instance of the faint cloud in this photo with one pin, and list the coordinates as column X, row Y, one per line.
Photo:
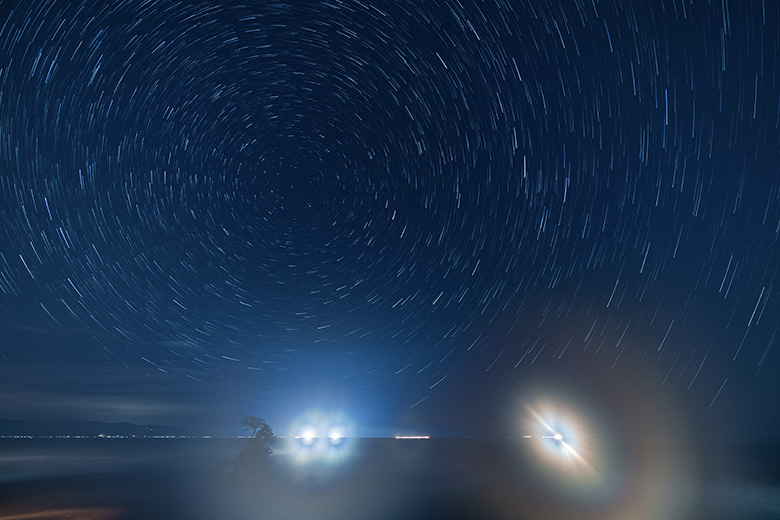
column 91, row 392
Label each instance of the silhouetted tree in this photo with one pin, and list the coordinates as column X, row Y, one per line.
column 250, row 422
column 255, row 458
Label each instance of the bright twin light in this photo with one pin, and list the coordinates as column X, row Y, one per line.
column 317, row 436
column 310, row 436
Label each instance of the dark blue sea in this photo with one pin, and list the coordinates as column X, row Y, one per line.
column 376, row 479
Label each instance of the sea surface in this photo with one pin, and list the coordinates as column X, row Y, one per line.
column 377, row 479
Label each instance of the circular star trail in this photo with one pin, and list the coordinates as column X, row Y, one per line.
column 425, row 193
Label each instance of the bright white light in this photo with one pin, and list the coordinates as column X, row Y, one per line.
column 561, row 433
column 335, row 437
column 566, row 439
column 308, row 436
column 321, row 437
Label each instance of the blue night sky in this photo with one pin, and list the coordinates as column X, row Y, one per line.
column 413, row 214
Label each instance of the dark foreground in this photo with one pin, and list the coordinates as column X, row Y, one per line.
column 377, row 479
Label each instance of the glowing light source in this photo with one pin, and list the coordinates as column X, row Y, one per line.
column 307, row 436
column 321, row 438
column 335, row 437
column 569, row 451
column 562, row 434
column 610, row 452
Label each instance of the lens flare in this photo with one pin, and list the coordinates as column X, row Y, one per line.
column 561, row 435
column 568, row 447
column 597, row 448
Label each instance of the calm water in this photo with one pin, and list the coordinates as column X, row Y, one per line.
column 106, row 479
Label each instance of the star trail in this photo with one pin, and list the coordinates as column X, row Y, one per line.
column 435, row 199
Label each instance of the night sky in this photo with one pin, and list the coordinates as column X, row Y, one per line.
column 415, row 214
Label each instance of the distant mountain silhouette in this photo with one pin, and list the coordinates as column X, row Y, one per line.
column 86, row 428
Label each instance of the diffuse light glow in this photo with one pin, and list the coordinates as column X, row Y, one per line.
column 318, row 436
column 565, row 444
column 623, row 450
